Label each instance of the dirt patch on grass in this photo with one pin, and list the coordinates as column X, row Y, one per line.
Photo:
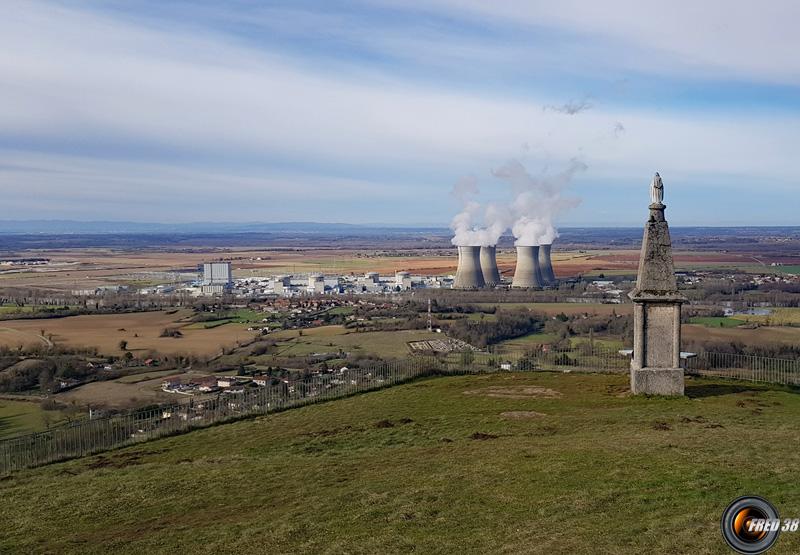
column 121, row 460
column 661, row 426
column 521, row 414
column 516, row 392
column 384, row 424
column 480, row 436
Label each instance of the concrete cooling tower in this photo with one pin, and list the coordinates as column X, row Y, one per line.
column 546, row 265
column 491, row 275
column 469, row 274
column 527, row 274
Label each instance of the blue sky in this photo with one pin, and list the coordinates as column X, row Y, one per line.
column 370, row 112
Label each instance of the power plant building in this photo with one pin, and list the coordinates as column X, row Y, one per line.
column 488, row 258
column 217, row 278
column 469, row 274
column 527, row 274
column 402, row 280
column 546, row 265
column 217, row 273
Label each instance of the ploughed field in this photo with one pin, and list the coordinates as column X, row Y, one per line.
column 503, row 463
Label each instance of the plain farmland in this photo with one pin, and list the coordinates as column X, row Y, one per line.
column 326, row 339
column 141, row 330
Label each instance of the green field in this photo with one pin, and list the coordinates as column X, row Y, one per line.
column 792, row 269
column 716, row 321
column 29, row 309
column 22, row 417
column 564, row 464
column 525, row 342
column 326, row 339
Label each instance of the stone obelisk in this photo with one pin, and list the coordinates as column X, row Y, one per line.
column 656, row 364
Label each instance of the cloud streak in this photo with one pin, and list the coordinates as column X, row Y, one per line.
column 106, row 103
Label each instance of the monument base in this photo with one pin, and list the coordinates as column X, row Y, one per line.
column 657, row 381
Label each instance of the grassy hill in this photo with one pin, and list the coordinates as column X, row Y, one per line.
column 506, row 463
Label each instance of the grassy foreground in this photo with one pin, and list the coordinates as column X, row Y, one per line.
column 506, row 463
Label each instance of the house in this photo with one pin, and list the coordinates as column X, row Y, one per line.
column 226, row 381
column 206, row 384
column 262, row 381
column 505, row 365
column 170, row 382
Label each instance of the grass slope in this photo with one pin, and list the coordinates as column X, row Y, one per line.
column 432, row 467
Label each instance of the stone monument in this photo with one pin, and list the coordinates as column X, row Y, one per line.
column 656, row 364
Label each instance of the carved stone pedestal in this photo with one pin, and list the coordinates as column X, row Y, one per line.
column 656, row 364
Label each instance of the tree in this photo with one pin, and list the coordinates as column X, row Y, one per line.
column 123, row 345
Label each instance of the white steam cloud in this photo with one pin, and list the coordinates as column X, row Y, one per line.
column 536, row 202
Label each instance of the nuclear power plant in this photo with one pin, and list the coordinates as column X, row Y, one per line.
column 527, row 274
column 491, row 275
column 546, row 265
column 469, row 274
column 477, row 268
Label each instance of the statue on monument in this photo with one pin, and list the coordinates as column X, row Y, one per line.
column 656, row 190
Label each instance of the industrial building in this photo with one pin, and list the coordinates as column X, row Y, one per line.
column 217, row 278
column 469, row 274
column 528, row 273
column 546, row 265
column 491, row 275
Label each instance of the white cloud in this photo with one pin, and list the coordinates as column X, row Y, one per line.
column 86, row 81
column 733, row 38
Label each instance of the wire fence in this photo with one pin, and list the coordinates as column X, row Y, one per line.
column 745, row 367
column 85, row 437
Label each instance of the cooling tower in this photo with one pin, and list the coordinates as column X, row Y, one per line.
column 491, row 275
column 469, row 274
column 546, row 265
column 527, row 273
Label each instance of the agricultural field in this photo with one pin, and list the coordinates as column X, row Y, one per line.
column 23, row 417
column 119, row 394
column 754, row 337
column 525, row 343
column 776, row 317
column 326, row 339
column 467, row 464
column 95, row 267
column 141, row 330
column 717, row 321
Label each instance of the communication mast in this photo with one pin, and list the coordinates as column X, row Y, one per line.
column 430, row 319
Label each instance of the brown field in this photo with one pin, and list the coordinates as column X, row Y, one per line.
column 759, row 336
column 129, row 391
column 105, row 331
column 117, row 395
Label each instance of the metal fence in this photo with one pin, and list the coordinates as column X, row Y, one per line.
column 745, row 367
column 86, row 437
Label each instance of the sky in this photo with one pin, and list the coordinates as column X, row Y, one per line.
column 370, row 112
